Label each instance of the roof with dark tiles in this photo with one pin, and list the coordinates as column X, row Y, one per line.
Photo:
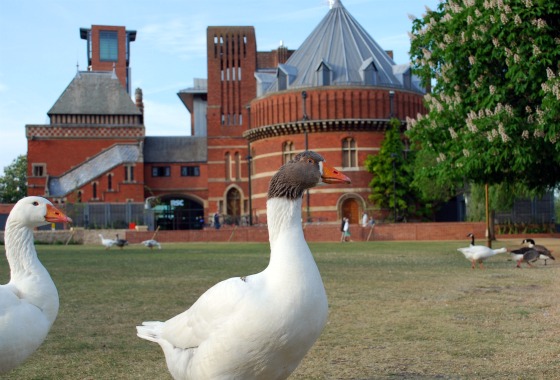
column 94, row 93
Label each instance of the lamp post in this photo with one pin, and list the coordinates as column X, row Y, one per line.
column 249, row 157
column 394, row 157
column 305, row 118
column 391, row 97
column 249, row 179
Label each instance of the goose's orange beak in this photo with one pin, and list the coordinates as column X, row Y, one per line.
column 54, row 215
column 332, row 176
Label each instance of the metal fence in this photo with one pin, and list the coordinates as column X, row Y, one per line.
column 108, row 215
column 530, row 211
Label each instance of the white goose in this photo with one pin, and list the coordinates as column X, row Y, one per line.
column 479, row 253
column 259, row 326
column 107, row 243
column 151, row 244
column 29, row 302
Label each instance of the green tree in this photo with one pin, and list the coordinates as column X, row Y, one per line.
column 13, row 185
column 392, row 175
column 493, row 115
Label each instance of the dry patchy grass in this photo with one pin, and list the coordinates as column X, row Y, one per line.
column 398, row 310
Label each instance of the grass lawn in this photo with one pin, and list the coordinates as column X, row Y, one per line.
column 398, row 310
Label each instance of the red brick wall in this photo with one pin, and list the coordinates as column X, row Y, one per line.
column 328, row 103
column 323, row 232
column 177, row 184
column 271, row 59
column 267, row 158
column 61, row 155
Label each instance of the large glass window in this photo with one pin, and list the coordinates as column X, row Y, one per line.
column 161, row 171
column 108, row 46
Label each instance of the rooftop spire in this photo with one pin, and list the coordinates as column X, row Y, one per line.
column 334, row 4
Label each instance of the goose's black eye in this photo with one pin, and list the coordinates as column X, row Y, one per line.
column 310, row 161
column 35, row 203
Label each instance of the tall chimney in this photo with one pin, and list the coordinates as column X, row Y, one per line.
column 139, row 101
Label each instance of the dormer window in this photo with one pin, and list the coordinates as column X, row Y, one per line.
column 282, row 80
column 285, row 76
column 324, row 74
column 407, row 80
column 369, row 73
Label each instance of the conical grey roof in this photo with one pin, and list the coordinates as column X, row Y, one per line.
column 340, row 50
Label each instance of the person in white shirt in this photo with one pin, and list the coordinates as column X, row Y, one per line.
column 365, row 219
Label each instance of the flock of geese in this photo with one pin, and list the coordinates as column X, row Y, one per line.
column 121, row 243
column 251, row 327
column 528, row 254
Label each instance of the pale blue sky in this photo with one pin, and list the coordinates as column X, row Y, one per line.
column 40, row 46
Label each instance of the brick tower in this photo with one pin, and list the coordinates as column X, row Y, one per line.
column 108, row 48
column 232, row 60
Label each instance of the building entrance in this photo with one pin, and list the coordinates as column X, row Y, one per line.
column 179, row 213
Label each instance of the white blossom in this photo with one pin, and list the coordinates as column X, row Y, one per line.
column 452, row 133
column 503, row 18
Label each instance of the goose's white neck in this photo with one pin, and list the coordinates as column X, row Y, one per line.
column 283, row 219
column 20, row 249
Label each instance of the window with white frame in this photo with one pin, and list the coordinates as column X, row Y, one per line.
column 349, row 153
column 287, row 151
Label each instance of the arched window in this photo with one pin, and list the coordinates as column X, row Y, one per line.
column 94, row 190
column 233, row 199
column 228, row 166
column 349, row 153
column 287, row 151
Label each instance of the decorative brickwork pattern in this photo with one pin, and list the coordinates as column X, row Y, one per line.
column 93, row 132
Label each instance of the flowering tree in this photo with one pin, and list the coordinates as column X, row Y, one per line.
column 494, row 109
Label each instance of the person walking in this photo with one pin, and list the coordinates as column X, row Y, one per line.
column 217, row 224
column 346, row 229
column 342, row 229
column 365, row 219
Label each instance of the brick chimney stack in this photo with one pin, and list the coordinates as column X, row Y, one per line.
column 139, row 101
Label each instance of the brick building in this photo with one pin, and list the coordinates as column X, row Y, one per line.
column 254, row 111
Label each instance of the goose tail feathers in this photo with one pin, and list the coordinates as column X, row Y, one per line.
column 150, row 330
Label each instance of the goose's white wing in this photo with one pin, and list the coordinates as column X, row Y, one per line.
column 23, row 327
column 218, row 307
